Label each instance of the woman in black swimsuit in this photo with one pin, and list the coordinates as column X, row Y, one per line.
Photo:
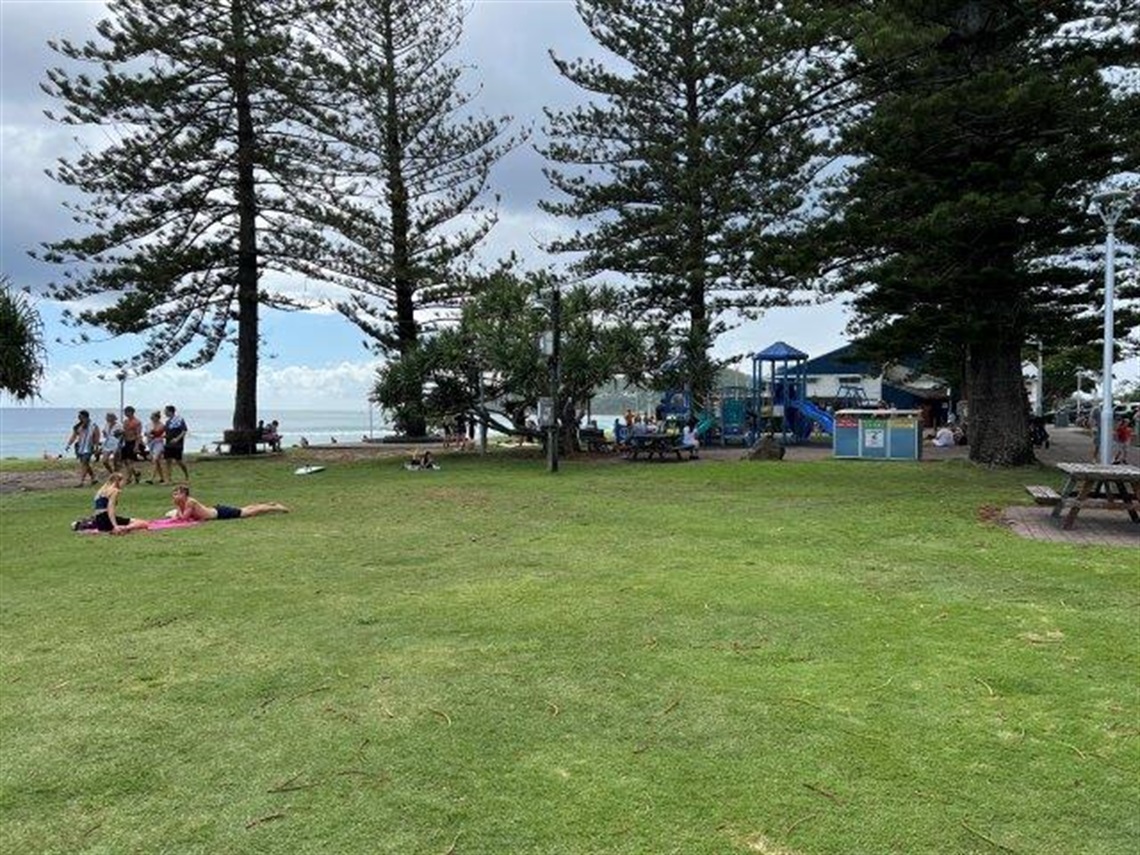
column 106, row 518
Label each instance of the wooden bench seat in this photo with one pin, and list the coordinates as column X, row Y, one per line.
column 260, row 446
column 1043, row 495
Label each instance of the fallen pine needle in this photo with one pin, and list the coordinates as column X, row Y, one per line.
column 1080, row 753
column 986, row 838
column 989, row 688
column 441, row 714
column 253, row 823
column 825, row 793
column 290, row 785
column 673, row 704
column 553, row 708
column 788, row 831
column 451, row 849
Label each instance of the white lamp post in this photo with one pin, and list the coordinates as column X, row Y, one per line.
column 551, row 344
column 1039, row 386
column 122, row 378
column 1079, row 372
column 1110, row 205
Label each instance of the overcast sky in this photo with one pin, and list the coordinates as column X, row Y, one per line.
column 308, row 360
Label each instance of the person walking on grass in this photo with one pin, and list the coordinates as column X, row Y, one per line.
column 132, row 441
column 175, row 442
column 85, row 438
column 106, row 510
column 156, row 445
column 112, row 438
column 1122, row 438
column 187, row 508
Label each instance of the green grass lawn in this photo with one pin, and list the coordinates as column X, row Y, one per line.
column 831, row 657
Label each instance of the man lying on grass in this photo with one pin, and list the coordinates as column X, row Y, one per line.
column 186, row 508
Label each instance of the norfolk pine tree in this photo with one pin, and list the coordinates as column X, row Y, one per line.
column 195, row 195
column 416, row 163
column 689, row 167
column 22, row 352
column 965, row 227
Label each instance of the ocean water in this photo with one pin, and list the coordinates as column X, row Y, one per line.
column 31, row 432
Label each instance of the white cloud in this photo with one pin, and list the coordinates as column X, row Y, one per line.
column 344, row 386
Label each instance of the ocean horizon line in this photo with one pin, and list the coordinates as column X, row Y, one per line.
column 30, row 433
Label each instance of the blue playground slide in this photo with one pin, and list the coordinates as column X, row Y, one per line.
column 812, row 413
column 706, row 422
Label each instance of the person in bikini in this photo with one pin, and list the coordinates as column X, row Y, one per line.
column 107, row 518
column 187, row 508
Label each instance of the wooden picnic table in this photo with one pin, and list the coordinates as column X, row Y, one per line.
column 659, row 444
column 1093, row 485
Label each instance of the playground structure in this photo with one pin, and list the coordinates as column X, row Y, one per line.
column 785, row 403
column 776, row 401
column 742, row 413
column 722, row 420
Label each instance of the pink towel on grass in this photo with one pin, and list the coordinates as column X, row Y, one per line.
column 155, row 525
column 167, row 522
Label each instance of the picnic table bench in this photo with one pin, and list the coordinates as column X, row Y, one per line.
column 244, row 439
column 1043, row 495
column 593, row 439
column 260, row 447
column 659, row 444
column 1093, row 485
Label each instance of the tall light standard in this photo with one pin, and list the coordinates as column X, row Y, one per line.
column 1080, row 371
column 1039, row 386
column 1110, row 205
column 552, row 349
column 122, row 378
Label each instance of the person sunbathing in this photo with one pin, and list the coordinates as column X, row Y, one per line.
column 421, row 460
column 106, row 508
column 187, row 508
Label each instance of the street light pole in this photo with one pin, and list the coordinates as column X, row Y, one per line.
column 1078, row 397
column 122, row 378
column 1110, row 206
column 555, row 378
column 1039, row 403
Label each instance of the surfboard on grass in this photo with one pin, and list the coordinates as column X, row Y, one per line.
column 308, row 470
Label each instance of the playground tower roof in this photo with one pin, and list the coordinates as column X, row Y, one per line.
column 779, row 351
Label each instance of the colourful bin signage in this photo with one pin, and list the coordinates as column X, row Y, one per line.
column 878, row 434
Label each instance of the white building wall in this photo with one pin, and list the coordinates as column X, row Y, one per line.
column 827, row 385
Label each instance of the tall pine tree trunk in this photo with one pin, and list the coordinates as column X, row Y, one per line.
column 245, row 396
column 404, row 282
column 998, row 426
column 698, row 341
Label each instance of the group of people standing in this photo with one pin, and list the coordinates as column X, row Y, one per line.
column 124, row 447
